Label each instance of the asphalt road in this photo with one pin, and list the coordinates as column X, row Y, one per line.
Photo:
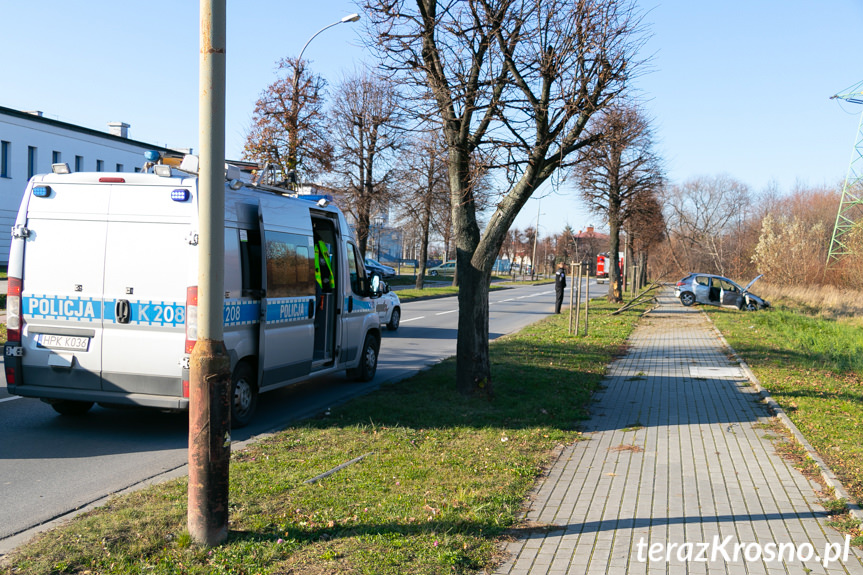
column 51, row 466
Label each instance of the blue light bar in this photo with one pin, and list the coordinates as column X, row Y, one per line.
column 181, row 195
column 42, row 191
column 152, row 156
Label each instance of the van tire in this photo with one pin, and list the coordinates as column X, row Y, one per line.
column 368, row 366
column 396, row 316
column 244, row 395
column 70, row 407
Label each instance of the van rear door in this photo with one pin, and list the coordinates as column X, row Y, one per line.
column 62, row 287
column 150, row 260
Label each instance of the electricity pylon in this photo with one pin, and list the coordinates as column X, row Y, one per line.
column 851, row 204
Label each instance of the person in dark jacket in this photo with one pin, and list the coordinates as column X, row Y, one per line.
column 559, row 286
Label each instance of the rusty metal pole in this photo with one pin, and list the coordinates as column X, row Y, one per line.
column 210, row 367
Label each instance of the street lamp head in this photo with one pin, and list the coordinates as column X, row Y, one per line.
column 351, row 18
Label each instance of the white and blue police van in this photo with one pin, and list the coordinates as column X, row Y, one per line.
column 102, row 294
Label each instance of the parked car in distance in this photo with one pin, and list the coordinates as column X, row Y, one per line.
column 716, row 290
column 389, row 308
column 374, row 266
column 445, row 269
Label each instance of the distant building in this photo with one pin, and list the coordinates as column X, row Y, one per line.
column 30, row 143
column 588, row 244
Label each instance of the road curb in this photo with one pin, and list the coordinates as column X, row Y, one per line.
column 826, row 473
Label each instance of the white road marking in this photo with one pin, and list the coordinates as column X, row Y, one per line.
column 413, row 319
column 8, row 399
column 446, row 312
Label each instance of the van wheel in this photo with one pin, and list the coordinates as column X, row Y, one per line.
column 365, row 371
column 687, row 298
column 244, row 396
column 69, row 407
column 394, row 320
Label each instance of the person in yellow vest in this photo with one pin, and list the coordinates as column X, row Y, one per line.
column 323, row 271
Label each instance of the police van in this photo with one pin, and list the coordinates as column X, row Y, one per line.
column 102, row 294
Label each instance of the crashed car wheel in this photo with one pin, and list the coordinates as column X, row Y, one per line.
column 751, row 306
column 687, row 298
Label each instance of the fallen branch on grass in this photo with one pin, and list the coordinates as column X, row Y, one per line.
column 649, row 291
column 339, row 468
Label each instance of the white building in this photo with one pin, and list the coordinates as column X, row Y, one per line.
column 30, row 143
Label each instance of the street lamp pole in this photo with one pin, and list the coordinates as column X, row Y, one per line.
column 379, row 228
column 295, row 98
column 209, row 364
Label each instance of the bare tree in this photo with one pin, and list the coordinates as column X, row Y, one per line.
column 288, row 128
column 365, row 131
column 701, row 214
column 520, row 79
column 424, row 190
column 646, row 229
column 614, row 172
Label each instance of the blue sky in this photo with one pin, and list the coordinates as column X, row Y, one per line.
column 736, row 87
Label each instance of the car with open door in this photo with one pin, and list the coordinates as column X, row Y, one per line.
column 711, row 289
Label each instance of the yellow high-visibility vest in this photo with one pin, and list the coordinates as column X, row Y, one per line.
column 321, row 252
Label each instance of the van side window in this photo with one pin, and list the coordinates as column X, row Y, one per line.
column 359, row 281
column 290, row 266
column 250, row 262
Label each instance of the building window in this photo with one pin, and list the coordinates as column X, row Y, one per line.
column 79, row 163
column 4, row 159
column 31, row 161
column 100, row 165
column 119, row 167
column 56, row 157
column 137, row 169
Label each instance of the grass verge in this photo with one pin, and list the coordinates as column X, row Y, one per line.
column 813, row 368
column 445, row 477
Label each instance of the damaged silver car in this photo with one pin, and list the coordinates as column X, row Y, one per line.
column 719, row 291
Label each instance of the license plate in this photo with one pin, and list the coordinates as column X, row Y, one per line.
column 70, row 342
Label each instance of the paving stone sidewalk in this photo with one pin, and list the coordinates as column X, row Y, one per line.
column 676, row 466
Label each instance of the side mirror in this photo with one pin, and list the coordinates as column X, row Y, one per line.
column 376, row 285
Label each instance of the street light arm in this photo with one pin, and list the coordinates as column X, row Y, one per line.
column 295, row 103
column 346, row 19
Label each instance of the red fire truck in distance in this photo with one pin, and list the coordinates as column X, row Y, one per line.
column 603, row 266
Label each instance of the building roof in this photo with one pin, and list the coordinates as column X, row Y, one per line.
column 80, row 129
column 590, row 234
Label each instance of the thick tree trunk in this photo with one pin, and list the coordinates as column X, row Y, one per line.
column 615, row 285
column 472, row 353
